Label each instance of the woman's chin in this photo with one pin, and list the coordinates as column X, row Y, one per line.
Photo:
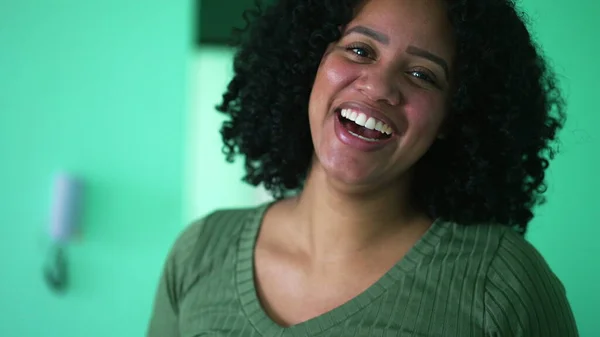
column 350, row 167
column 353, row 174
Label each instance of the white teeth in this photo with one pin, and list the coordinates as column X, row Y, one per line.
column 370, row 124
column 361, row 119
column 367, row 122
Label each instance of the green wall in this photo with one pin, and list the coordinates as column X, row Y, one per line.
column 566, row 230
column 97, row 88
column 101, row 89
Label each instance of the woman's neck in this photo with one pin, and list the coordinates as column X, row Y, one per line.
column 335, row 223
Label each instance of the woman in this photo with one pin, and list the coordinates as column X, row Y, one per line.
column 410, row 140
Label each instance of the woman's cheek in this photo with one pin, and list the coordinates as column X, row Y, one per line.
column 424, row 110
column 340, row 72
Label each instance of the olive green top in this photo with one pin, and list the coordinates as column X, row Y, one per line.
column 456, row 281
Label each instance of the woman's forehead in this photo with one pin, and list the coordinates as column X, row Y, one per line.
column 423, row 23
column 403, row 13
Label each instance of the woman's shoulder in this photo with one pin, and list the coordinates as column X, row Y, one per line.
column 213, row 234
column 521, row 291
column 504, row 254
column 520, row 265
column 517, row 259
column 494, row 240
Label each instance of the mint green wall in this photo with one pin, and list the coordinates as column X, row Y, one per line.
column 567, row 229
column 97, row 88
column 100, row 88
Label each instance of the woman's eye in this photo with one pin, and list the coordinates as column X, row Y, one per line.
column 360, row 51
column 422, row 76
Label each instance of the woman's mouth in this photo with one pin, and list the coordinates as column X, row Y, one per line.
column 364, row 127
column 360, row 131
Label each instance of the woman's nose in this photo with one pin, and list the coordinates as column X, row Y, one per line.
column 380, row 86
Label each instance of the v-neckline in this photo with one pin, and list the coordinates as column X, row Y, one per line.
column 266, row 326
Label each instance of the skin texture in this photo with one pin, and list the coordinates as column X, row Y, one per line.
column 410, row 90
column 354, row 218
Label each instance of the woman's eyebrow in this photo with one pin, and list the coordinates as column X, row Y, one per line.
column 375, row 35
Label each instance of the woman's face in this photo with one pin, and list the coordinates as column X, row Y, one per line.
column 381, row 92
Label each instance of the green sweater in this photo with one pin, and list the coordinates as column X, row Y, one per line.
column 457, row 281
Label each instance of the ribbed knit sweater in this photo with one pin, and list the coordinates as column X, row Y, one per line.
column 456, row 281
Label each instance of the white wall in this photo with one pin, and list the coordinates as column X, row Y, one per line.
column 211, row 182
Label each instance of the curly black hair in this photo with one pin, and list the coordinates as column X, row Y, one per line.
column 504, row 116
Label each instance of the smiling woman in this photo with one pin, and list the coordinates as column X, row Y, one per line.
column 405, row 142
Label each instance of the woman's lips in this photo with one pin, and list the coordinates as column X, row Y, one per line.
column 368, row 111
column 354, row 140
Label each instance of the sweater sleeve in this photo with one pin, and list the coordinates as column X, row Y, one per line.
column 173, row 283
column 523, row 297
column 163, row 321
